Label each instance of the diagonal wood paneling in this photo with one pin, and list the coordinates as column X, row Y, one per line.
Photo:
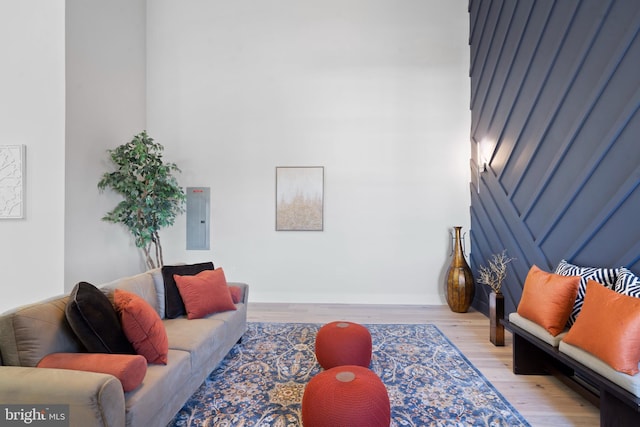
column 555, row 93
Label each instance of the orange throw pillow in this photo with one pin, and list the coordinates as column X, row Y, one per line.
column 609, row 328
column 236, row 294
column 548, row 298
column 130, row 369
column 142, row 326
column 205, row 293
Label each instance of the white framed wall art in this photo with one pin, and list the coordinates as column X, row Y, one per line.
column 12, row 176
column 299, row 198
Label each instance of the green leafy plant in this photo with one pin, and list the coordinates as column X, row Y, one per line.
column 495, row 273
column 152, row 196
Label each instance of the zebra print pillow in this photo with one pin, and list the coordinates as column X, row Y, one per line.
column 627, row 283
column 604, row 276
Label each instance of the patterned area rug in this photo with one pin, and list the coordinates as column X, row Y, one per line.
column 430, row 383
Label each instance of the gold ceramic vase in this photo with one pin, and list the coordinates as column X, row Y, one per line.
column 460, row 286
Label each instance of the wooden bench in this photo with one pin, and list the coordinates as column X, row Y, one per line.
column 532, row 356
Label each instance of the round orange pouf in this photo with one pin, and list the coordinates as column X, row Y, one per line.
column 346, row 396
column 343, row 343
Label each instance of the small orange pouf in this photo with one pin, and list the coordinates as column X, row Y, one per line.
column 346, row 396
column 343, row 343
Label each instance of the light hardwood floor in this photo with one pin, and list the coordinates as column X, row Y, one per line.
column 542, row 400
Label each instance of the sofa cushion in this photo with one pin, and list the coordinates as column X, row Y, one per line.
column 30, row 332
column 630, row 383
column 142, row 284
column 174, row 307
column 609, row 328
column 158, row 282
column 205, row 293
column 202, row 338
column 606, row 276
column 142, row 326
column 129, row 369
column 95, row 321
column 164, row 391
column 547, row 299
column 535, row 329
column 627, row 283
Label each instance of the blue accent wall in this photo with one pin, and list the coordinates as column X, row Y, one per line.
column 555, row 98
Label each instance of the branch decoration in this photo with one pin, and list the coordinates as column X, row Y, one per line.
column 495, row 273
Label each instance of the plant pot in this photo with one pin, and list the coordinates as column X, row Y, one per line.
column 496, row 314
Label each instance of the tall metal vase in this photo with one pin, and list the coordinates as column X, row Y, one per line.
column 460, row 286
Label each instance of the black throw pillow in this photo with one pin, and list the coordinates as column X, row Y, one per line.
column 173, row 305
column 95, row 321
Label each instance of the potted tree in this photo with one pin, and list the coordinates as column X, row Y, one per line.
column 152, row 196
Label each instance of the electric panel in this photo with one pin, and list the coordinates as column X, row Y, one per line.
column 198, row 217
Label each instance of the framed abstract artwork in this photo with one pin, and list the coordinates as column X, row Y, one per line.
column 299, row 198
column 12, row 166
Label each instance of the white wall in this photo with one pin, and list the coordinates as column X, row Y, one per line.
column 32, row 87
column 106, row 89
column 376, row 91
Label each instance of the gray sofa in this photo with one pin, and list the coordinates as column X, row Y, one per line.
column 196, row 347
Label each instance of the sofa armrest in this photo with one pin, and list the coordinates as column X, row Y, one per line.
column 245, row 290
column 94, row 399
